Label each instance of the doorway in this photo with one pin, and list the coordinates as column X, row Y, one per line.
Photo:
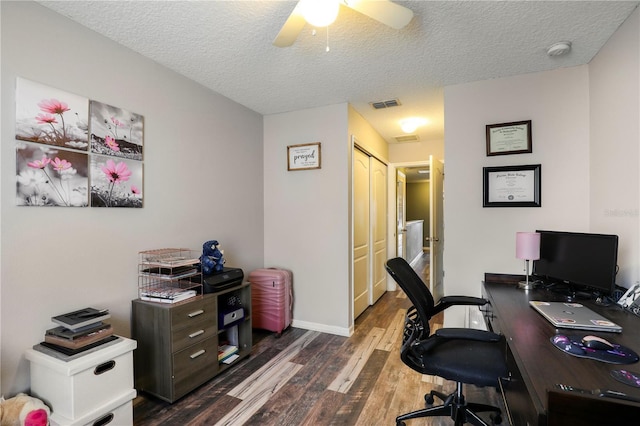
column 419, row 195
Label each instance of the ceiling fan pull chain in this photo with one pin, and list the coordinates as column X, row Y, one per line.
column 327, row 39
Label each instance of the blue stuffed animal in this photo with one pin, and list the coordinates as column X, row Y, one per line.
column 212, row 260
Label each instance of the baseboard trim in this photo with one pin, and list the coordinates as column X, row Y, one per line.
column 324, row 328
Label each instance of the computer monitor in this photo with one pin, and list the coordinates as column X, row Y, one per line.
column 586, row 262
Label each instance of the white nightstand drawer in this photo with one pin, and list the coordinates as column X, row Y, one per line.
column 78, row 387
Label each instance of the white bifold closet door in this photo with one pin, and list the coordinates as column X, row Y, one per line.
column 369, row 230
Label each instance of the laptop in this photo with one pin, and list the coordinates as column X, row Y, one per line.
column 575, row 316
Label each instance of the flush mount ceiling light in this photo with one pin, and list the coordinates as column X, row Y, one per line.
column 409, row 125
column 319, row 13
column 559, row 49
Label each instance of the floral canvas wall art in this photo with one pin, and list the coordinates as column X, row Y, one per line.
column 115, row 182
column 116, row 131
column 48, row 176
column 54, row 164
column 50, row 116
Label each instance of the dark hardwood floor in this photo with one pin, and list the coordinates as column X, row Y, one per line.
column 312, row 378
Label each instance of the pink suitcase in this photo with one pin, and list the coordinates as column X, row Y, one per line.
column 271, row 299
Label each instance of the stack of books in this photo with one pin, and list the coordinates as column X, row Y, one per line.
column 227, row 353
column 79, row 330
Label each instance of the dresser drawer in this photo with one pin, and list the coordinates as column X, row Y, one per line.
column 194, row 366
column 183, row 316
column 193, row 333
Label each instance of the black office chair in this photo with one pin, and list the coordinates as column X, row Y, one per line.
column 462, row 355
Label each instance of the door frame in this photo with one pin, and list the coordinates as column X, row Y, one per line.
column 401, row 248
column 391, row 225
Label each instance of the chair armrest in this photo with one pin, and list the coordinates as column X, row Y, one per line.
column 468, row 334
column 448, row 301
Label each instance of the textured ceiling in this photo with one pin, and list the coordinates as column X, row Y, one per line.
column 226, row 46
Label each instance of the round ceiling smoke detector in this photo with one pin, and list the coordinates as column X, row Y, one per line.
column 559, row 49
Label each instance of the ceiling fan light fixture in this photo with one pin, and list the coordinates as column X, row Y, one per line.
column 319, row 13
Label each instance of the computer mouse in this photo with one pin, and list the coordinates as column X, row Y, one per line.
column 598, row 343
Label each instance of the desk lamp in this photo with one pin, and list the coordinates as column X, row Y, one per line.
column 527, row 248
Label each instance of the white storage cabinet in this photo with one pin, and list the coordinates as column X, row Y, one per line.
column 94, row 389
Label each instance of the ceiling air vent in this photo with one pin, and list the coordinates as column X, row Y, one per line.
column 407, row 138
column 385, row 104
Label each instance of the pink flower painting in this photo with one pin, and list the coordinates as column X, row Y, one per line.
column 115, row 183
column 52, row 128
column 43, row 181
column 50, row 116
column 115, row 131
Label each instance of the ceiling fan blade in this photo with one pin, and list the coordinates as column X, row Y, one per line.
column 386, row 12
column 291, row 28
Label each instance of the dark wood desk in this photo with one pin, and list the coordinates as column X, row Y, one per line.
column 536, row 366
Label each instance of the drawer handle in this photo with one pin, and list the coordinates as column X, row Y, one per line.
column 197, row 354
column 196, row 334
column 104, row 420
column 103, row 368
column 196, row 313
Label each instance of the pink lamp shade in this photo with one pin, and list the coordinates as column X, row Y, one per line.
column 528, row 245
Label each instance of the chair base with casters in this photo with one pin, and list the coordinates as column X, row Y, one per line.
column 454, row 406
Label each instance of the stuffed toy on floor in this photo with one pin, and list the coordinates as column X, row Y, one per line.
column 23, row 410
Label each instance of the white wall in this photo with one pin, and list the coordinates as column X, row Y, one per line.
column 614, row 85
column 477, row 239
column 203, row 170
column 305, row 215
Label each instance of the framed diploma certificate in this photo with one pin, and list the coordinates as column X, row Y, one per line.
column 512, row 186
column 509, row 138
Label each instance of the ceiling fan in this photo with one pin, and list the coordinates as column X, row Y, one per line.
column 384, row 11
